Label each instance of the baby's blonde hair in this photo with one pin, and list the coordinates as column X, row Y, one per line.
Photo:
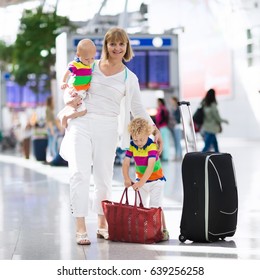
column 84, row 45
column 139, row 126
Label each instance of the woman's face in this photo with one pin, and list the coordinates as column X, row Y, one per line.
column 116, row 50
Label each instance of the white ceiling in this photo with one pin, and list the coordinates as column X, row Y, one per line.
column 5, row 3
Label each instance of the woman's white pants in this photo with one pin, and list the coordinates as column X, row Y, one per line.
column 90, row 139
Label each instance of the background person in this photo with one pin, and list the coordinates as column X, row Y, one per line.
column 161, row 120
column 91, row 140
column 175, row 127
column 211, row 121
column 50, row 122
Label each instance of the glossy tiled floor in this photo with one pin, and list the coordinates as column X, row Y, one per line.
column 36, row 224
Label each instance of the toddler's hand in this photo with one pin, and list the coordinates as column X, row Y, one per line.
column 128, row 183
column 136, row 186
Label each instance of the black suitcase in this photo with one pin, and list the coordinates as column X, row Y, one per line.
column 210, row 197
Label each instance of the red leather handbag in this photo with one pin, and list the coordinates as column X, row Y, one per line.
column 132, row 223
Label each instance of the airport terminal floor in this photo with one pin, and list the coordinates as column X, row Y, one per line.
column 36, row 223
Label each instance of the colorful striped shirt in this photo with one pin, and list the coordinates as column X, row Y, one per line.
column 81, row 75
column 141, row 157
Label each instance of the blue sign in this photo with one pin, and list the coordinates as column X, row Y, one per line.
column 153, row 42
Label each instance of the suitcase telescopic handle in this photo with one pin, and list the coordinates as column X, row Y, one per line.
column 184, row 103
column 187, row 103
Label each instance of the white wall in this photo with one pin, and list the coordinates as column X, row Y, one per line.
column 241, row 107
column 61, row 66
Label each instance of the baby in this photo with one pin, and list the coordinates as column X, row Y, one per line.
column 77, row 80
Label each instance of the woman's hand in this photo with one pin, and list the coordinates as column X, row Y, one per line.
column 226, row 121
column 76, row 101
column 158, row 139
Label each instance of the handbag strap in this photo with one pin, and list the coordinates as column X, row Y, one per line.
column 141, row 202
column 125, row 193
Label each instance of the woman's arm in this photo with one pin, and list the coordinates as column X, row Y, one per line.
column 138, row 110
column 217, row 116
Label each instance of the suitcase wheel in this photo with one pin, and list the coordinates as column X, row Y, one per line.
column 182, row 238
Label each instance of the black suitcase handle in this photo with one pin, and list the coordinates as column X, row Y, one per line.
column 184, row 103
column 187, row 103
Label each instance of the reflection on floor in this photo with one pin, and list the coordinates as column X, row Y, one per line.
column 36, row 224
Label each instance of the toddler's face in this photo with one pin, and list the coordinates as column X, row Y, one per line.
column 140, row 139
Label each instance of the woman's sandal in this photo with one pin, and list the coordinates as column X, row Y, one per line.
column 102, row 233
column 82, row 239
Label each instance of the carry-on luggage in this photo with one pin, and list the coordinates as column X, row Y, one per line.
column 210, row 198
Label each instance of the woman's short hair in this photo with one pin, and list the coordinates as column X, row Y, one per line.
column 117, row 34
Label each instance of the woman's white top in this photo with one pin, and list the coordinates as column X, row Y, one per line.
column 106, row 93
column 116, row 95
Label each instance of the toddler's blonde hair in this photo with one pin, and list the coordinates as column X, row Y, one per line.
column 139, row 126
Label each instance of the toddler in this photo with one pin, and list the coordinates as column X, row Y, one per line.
column 149, row 175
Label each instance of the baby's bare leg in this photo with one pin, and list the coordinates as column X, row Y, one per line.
column 75, row 114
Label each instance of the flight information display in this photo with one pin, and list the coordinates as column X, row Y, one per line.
column 139, row 66
column 152, row 59
column 158, row 70
column 151, row 68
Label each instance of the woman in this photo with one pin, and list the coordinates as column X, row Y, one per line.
column 51, row 128
column 161, row 120
column 211, row 121
column 93, row 138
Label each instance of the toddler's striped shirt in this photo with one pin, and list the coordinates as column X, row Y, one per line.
column 141, row 156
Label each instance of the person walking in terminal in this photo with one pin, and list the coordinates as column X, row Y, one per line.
column 211, row 121
column 93, row 138
column 150, row 180
column 51, row 128
column 77, row 77
column 161, row 120
column 175, row 127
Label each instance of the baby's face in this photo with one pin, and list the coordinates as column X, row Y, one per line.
column 140, row 139
column 87, row 56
